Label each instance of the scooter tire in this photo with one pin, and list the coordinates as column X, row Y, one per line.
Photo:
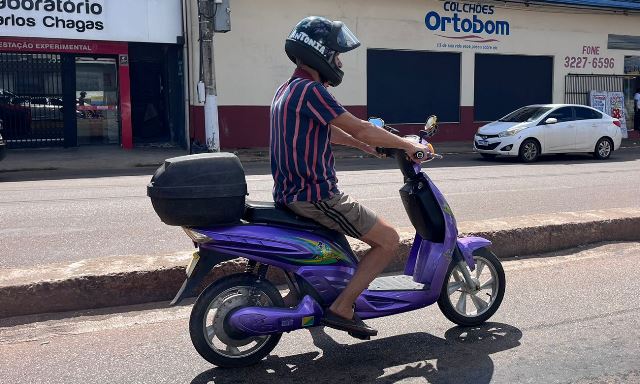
column 199, row 313
column 447, row 307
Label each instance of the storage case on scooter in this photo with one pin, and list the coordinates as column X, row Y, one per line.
column 423, row 210
column 199, row 190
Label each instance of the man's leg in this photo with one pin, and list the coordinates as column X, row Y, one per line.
column 384, row 241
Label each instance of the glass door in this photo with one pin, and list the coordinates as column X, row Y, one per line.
column 97, row 100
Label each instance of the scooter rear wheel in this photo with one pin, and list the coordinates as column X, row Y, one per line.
column 471, row 307
column 206, row 325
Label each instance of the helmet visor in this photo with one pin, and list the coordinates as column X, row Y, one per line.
column 346, row 39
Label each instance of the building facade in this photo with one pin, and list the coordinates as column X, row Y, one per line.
column 468, row 62
column 82, row 72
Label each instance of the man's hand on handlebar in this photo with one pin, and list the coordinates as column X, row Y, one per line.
column 414, row 149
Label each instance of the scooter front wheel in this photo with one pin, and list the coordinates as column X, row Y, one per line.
column 473, row 306
column 206, row 325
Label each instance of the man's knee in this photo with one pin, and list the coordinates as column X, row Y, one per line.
column 392, row 240
column 383, row 236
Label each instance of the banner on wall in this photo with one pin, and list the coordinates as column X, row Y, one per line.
column 598, row 100
column 615, row 108
column 611, row 103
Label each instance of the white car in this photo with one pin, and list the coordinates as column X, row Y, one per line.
column 535, row 130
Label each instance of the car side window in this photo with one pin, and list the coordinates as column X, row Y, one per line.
column 587, row 114
column 562, row 114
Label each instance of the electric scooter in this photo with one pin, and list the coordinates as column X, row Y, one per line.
column 239, row 319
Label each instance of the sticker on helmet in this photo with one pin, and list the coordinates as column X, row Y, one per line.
column 303, row 37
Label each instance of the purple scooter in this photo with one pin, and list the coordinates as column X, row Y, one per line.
column 238, row 319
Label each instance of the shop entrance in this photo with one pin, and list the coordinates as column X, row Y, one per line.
column 97, row 114
column 157, row 101
column 632, row 67
column 578, row 88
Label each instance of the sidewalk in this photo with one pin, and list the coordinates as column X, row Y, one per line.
column 114, row 158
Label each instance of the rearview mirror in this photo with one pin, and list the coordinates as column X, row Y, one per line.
column 378, row 122
column 430, row 127
column 551, row 120
column 431, row 123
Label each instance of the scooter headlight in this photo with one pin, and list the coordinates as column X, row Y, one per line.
column 196, row 236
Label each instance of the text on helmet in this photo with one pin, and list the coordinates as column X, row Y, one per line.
column 303, row 37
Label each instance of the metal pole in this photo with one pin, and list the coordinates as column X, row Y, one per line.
column 211, row 128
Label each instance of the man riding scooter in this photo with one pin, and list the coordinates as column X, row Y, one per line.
column 305, row 120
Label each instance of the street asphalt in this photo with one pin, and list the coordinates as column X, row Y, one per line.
column 571, row 318
column 73, row 215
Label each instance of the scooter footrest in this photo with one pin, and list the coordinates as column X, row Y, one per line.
column 395, row 283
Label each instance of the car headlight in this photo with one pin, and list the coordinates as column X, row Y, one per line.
column 511, row 131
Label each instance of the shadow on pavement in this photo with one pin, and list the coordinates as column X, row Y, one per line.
column 463, row 356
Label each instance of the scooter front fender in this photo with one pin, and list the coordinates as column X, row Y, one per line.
column 467, row 245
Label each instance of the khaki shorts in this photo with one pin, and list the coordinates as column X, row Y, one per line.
column 340, row 213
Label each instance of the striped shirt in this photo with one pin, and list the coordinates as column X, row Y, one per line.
column 302, row 162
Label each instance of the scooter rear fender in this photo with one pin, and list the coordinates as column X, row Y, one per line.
column 208, row 259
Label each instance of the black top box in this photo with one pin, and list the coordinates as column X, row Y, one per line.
column 207, row 189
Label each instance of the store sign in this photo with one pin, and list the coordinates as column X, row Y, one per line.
column 467, row 22
column 114, row 20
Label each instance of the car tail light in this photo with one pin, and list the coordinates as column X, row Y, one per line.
column 617, row 123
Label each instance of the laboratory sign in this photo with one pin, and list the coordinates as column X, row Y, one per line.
column 114, row 20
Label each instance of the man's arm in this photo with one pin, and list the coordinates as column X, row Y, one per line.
column 368, row 133
column 340, row 137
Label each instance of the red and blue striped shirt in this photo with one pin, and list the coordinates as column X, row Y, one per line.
column 302, row 162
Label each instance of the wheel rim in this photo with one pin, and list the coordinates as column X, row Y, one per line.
column 213, row 322
column 604, row 148
column 530, row 150
column 472, row 302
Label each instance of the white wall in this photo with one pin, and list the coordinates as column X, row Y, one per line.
column 251, row 63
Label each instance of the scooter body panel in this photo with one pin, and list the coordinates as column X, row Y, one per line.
column 257, row 321
column 283, row 247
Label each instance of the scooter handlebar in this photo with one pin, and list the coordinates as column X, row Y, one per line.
column 420, row 155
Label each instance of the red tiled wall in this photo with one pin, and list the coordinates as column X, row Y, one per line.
column 248, row 126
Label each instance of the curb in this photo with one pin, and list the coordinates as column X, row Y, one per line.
column 132, row 280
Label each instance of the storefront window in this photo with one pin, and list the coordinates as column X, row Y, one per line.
column 31, row 99
column 97, row 100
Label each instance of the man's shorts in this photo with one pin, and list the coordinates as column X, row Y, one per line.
column 340, row 213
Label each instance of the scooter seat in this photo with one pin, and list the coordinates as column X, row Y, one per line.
column 265, row 212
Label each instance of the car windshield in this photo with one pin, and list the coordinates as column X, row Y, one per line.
column 525, row 114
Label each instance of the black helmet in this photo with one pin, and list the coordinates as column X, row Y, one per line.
column 316, row 40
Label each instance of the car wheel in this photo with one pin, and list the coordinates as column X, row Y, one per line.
column 529, row 151
column 488, row 156
column 603, row 148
